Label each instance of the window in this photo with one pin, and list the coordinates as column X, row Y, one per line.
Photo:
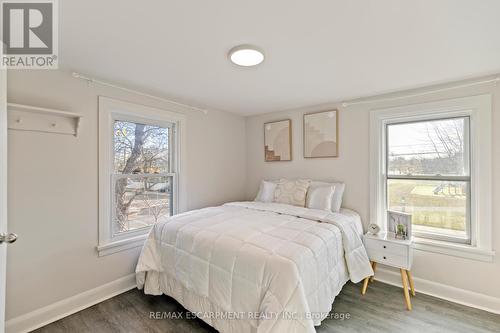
column 142, row 179
column 428, row 176
column 433, row 161
column 139, row 171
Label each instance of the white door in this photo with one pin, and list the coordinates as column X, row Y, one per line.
column 5, row 238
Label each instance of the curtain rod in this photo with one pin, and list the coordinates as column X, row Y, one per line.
column 465, row 85
column 77, row 75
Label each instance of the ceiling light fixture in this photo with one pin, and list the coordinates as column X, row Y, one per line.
column 246, row 55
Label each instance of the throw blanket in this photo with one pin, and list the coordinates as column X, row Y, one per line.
column 254, row 267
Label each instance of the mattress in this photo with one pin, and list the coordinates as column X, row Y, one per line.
column 254, row 267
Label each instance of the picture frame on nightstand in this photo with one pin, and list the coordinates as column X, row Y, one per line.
column 399, row 224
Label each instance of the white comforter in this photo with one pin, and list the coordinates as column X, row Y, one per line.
column 254, row 267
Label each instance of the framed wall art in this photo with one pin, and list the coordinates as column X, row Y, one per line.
column 321, row 134
column 278, row 141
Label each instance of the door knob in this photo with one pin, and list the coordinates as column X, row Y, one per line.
column 8, row 238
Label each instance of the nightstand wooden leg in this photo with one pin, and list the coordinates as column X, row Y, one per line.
column 374, row 267
column 365, row 285
column 410, row 279
column 405, row 289
column 368, row 279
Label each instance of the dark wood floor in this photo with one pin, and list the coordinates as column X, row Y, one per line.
column 380, row 310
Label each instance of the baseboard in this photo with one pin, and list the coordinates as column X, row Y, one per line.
column 449, row 293
column 68, row 306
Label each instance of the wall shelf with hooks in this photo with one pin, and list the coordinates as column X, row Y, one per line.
column 36, row 119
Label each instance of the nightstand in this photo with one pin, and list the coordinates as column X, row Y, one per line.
column 384, row 249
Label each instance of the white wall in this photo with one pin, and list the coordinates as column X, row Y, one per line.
column 352, row 166
column 53, row 188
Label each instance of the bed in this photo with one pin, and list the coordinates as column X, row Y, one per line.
column 255, row 267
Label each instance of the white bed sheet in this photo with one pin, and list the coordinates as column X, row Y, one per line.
column 353, row 217
column 255, row 267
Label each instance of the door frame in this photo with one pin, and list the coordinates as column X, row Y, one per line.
column 3, row 193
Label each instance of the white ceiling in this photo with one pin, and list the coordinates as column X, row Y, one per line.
column 316, row 51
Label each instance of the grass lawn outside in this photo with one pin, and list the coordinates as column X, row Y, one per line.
column 431, row 203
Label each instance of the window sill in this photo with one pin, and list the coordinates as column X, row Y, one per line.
column 121, row 245
column 456, row 250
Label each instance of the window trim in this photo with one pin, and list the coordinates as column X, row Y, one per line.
column 111, row 110
column 479, row 109
column 467, row 178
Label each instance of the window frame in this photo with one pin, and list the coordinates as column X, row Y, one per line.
column 467, row 178
column 110, row 111
column 479, row 110
column 172, row 168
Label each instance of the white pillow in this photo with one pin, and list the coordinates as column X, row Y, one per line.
column 292, row 192
column 338, row 193
column 320, row 197
column 266, row 192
